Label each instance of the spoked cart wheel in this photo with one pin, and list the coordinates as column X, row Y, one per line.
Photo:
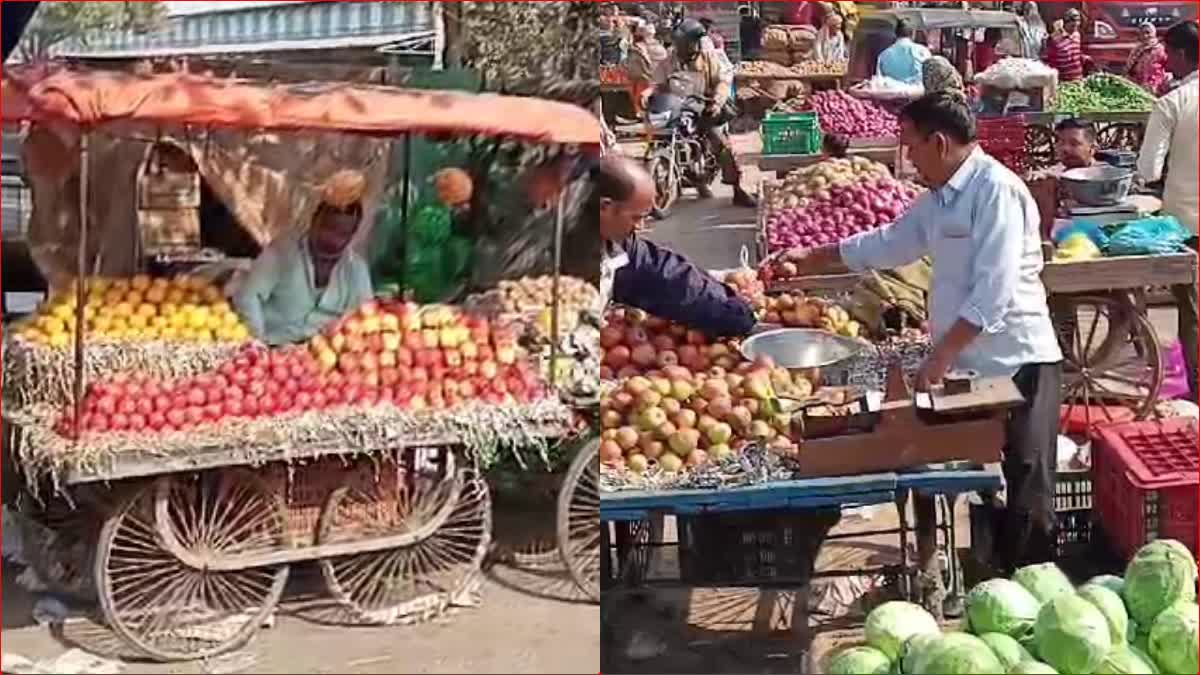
column 1112, row 352
column 448, row 512
column 173, row 611
column 578, row 521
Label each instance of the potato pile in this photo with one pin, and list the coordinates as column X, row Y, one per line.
column 815, row 182
column 534, row 296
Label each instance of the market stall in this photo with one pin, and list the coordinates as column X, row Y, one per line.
column 190, row 467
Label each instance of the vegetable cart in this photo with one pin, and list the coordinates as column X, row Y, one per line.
column 187, row 537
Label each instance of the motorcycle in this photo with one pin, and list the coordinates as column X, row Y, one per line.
column 678, row 155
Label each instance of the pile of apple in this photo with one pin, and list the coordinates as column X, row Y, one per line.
column 635, row 343
column 415, row 358
column 674, row 418
column 799, row 311
column 749, row 287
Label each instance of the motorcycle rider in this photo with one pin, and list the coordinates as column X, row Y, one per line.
column 690, row 70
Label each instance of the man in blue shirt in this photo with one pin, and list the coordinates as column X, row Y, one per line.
column 905, row 59
column 988, row 309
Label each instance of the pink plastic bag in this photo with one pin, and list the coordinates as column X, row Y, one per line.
column 1175, row 382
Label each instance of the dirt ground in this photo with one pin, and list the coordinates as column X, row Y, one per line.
column 532, row 620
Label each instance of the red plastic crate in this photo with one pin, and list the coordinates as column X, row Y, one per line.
column 1146, row 476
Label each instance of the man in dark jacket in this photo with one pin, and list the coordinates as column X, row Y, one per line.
column 641, row 274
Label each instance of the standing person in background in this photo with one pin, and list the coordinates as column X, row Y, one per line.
column 750, row 31
column 612, row 46
column 985, row 52
column 1064, row 48
column 938, row 74
column 905, row 59
column 1032, row 29
column 831, row 43
column 1147, row 64
column 644, row 59
column 1171, row 142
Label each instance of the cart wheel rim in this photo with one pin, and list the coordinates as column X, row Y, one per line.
column 413, row 583
column 578, row 520
column 171, row 612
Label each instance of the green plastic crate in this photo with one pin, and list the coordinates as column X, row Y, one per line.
column 791, row 134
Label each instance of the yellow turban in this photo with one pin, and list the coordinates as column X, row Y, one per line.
column 344, row 189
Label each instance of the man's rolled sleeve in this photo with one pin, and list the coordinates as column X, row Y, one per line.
column 997, row 237
column 901, row 243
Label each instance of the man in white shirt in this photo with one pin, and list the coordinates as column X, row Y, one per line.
column 1171, row 143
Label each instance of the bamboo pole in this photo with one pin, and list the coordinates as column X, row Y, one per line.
column 81, row 273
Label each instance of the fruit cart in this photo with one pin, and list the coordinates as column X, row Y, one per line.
column 187, row 537
column 1113, row 355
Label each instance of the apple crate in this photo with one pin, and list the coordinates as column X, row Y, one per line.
column 1146, row 477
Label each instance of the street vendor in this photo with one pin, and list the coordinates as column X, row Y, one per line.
column 1171, row 144
column 903, row 60
column 303, row 282
column 639, row 273
column 690, row 70
column 988, row 307
column 1074, row 145
column 1147, row 65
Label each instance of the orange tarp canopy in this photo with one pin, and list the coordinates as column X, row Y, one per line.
column 92, row 99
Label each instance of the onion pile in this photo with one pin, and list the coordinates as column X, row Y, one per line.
column 833, row 200
column 842, row 114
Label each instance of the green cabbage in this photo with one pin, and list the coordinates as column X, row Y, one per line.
column 915, row 649
column 1072, row 635
column 958, row 654
column 1175, row 639
column 1169, row 545
column 1045, row 582
column 1127, row 661
column 1032, row 668
column 860, row 661
column 1009, row 651
column 1001, row 606
column 1113, row 609
column 1158, row 577
column 1111, row 582
column 891, row 624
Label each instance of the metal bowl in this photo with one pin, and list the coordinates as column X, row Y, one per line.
column 800, row 348
column 1098, row 185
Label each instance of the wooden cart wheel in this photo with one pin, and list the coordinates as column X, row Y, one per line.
column 579, row 520
column 1039, row 146
column 417, row 582
column 172, row 612
column 1112, row 355
column 1120, row 136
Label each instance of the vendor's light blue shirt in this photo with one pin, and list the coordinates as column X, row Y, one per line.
column 982, row 230
column 904, row 61
column 280, row 301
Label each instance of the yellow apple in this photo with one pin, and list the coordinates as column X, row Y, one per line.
column 391, row 341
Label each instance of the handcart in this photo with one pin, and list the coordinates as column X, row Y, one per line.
column 188, row 545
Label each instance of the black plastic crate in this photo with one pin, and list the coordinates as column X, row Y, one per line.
column 752, row 548
column 1073, row 508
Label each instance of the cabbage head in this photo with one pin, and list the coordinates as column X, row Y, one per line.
column 1127, row 661
column 1157, row 579
column 1001, row 606
column 1072, row 635
column 859, row 661
column 1009, row 651
column 1032, row 668
column 1046, row 582
column 1111, row 582
column 891, row 624
column 1169, row 545
column 1175, row 639
column 958, row 654
column 1113, row 609
column 915, row 649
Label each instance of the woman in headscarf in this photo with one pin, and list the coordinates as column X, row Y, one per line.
column 1147, row 64
column 831, row 42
